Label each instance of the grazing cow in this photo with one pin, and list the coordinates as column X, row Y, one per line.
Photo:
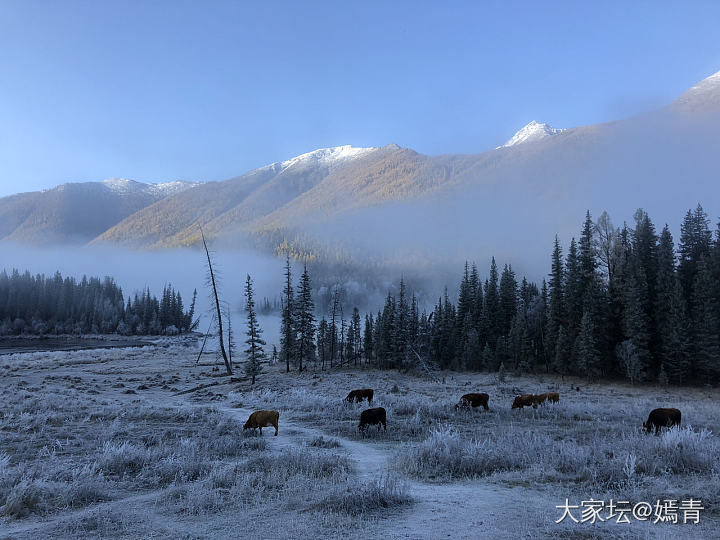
column 660, row 418
column 473, row 400
column 553, row 396
column 525, row 400
column 356, row 396
column 373, row 417
column 261, row 419
column 539, row 399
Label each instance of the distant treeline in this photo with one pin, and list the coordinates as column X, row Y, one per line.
column 56, row 305
column 623, row 302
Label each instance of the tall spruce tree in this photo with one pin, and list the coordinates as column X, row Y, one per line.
column 676, row 348
column 492, row 304
column 637, row 324
column 369, row 338
column 573, row 301
column 556, row 315
column 705, row 324
column 287, row 327
column 664, row 290
column 254, row 353
column 588, row 355
column 400, row 345
column 695, row 241
column 305, row 321
column 508, row 299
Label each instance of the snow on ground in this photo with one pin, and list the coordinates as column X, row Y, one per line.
column 102, row 443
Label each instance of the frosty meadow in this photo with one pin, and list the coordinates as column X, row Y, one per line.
column 104, row 443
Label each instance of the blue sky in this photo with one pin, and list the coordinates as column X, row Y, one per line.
column 159, row 91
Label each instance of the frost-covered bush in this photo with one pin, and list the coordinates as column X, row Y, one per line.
column 301, row 462
column 357, row 499
column 322, row 442
column 29, row 495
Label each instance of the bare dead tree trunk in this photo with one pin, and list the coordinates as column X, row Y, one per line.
column 230, row 338
column 228, row 367
column 204, row 341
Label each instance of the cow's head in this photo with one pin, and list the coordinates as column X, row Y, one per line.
column 647, row 427
column 247, row 425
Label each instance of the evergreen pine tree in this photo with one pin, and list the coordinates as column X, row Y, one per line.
column 705, row 324
column 492, row 304
column 637, row 325
column 508, row 299
column 287, row 326
column 369, row 337
column 555, row 302
column 305, row 321
column 695, row 241
column 676, row 346
column 402, row 316
column 573, row 302
column 254, row 352
column 588, row 355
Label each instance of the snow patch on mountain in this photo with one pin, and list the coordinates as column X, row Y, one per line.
column 163, row 189
column 327, row 156
column 534, row 131
column 704, row 93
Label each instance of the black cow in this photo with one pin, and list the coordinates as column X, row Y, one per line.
column 660, row 418
column 373, row 417
column 356, row 396
column 474, row 400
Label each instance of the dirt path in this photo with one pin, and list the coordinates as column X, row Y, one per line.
column 458, row 510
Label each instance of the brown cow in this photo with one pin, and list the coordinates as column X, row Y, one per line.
column 373, row 417
column 553, row 396
column 660, row 418
column 525, row 400
column 539, row 399
column 474, row 400
column 261, row 419
column 357, row 396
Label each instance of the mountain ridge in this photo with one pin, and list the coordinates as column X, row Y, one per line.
column 322, row 187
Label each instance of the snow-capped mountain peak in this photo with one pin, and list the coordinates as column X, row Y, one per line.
column 534, row 131
column 705, row 94
column 122, row 185
column 125, row 185
column 328, row 156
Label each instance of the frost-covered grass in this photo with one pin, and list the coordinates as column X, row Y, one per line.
column 605, row 460
column 59, row 452
column 260, row 480
column 360, row 499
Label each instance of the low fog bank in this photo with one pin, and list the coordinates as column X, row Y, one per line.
column 185, row 269
column 357, row 285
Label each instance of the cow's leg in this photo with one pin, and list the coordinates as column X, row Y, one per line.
column 261, row 430
column 276, row 430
